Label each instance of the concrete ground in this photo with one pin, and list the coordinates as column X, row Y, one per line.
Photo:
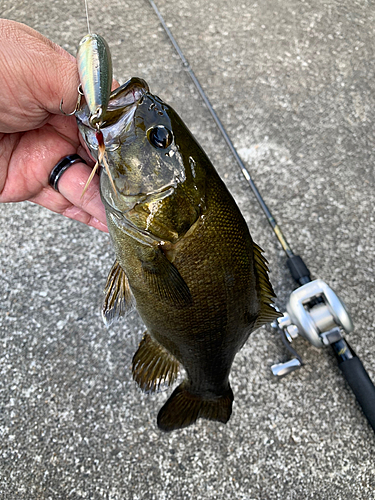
column 294, row 84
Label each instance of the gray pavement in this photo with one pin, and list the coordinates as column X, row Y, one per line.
column 293, row 82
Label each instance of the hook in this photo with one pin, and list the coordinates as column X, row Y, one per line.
column 78, row 104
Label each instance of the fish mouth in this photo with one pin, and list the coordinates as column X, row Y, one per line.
column 117, row 118
column 129, row 93
column 120, row 112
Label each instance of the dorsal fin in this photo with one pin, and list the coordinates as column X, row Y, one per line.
column 267, row 312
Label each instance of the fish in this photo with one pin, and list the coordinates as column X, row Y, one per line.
column 184, row 256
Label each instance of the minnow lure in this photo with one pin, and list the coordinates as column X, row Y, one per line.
column 95, row 73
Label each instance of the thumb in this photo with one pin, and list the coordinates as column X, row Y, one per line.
column 37, row 74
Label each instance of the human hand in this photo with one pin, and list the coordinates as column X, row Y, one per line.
column 34, row 134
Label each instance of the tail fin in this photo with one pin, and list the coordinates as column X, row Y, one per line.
column 183, row 408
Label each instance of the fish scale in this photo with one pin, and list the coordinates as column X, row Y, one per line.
column 198, row 281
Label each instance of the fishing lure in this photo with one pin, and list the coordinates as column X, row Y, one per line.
column 95, row 73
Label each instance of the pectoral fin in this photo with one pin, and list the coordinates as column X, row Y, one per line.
column 159, row 273
column 164, row 279
column 118, row 298
column 153, row 366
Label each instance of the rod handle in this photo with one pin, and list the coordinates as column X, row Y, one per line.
column 362, row 386
column 298, row 270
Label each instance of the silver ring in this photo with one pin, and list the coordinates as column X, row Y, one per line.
column 61, row 167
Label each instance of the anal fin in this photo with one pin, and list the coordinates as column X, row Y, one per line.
column 118, row 298
column 153, row 366
column 183, row 408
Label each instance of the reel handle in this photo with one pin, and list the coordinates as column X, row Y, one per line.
column 357, row 378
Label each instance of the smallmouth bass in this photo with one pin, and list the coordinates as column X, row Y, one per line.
column 184, row 255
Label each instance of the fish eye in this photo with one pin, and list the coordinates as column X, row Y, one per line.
column 160, row 137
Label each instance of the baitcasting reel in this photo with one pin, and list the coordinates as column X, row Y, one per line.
column 316, row 313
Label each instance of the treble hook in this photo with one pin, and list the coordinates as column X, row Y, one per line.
column 78, row 104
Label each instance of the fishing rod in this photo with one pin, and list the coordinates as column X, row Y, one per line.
column 313, row 311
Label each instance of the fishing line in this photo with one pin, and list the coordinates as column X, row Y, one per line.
column 87, row 16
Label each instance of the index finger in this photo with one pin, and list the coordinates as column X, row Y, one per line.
column 71, row 186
